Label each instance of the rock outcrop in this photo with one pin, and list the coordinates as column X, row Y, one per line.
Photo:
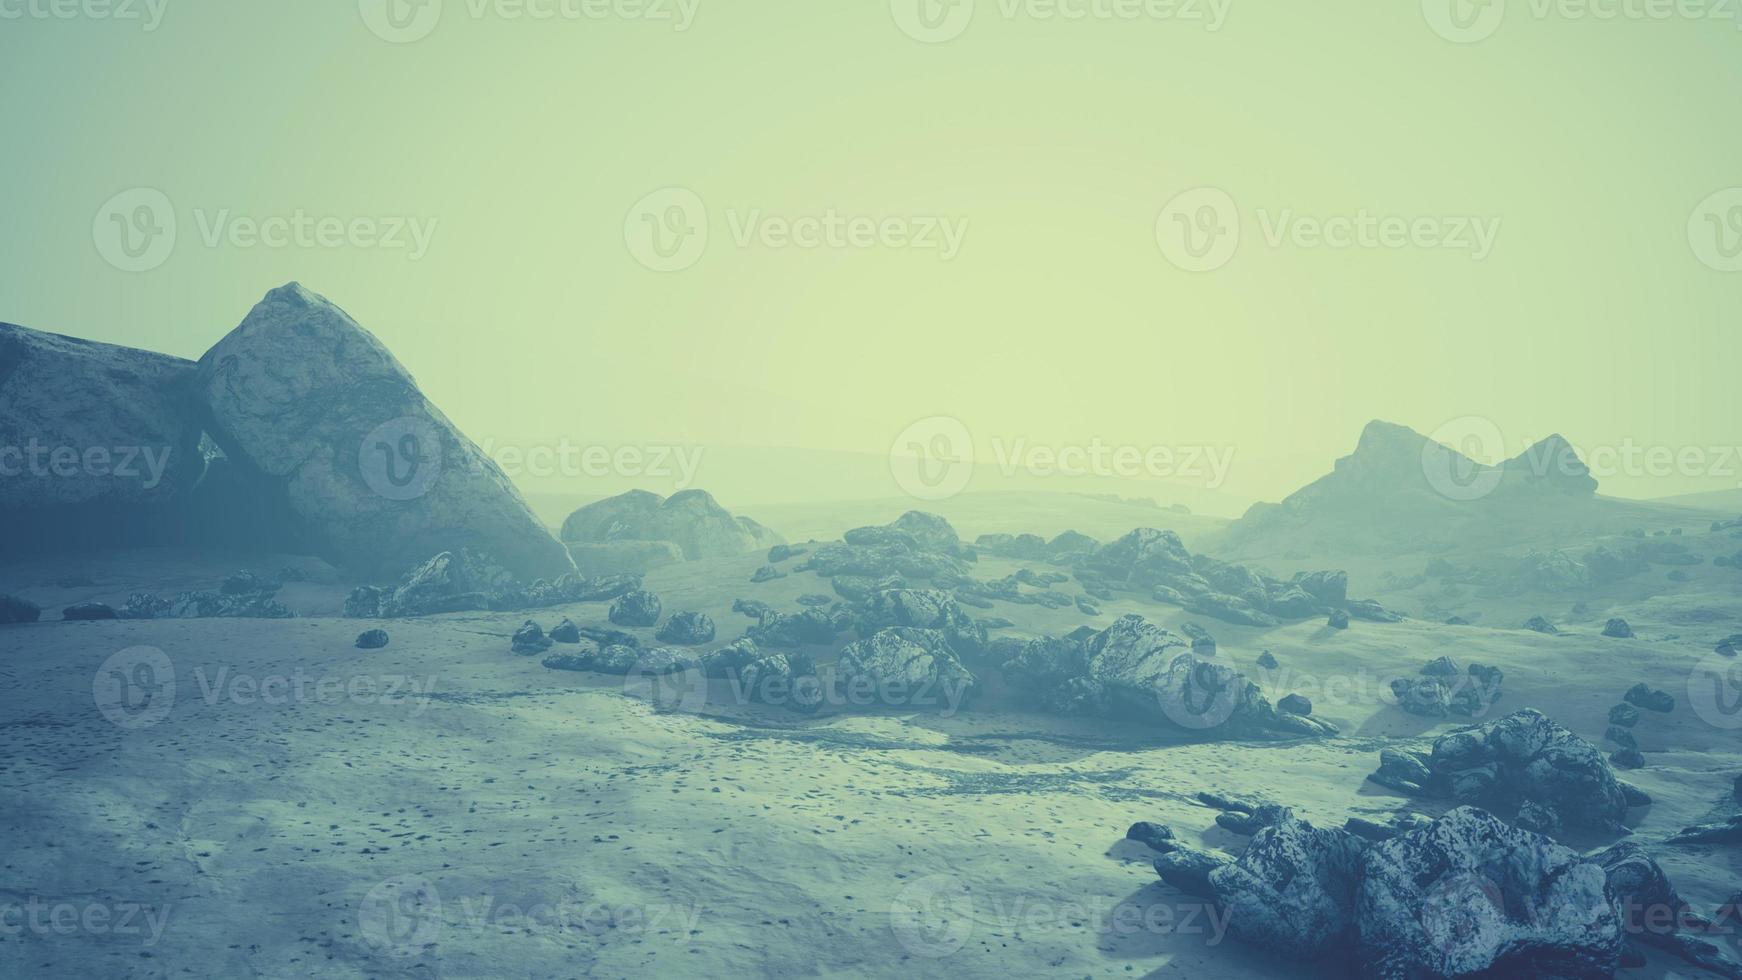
column 305, row 399
column 690, row 521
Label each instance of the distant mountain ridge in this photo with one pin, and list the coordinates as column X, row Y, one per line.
column 1400, row 489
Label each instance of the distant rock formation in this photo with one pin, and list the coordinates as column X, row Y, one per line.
column 302, row 396
column 1400, row 490
column 639, row 530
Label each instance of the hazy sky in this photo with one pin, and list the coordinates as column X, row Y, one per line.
column 994, row 213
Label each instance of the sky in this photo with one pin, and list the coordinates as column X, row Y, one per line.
column 1247, row 226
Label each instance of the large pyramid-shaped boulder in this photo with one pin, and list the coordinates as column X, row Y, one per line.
column 310, row 401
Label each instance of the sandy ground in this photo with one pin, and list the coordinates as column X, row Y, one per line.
column 442, row 808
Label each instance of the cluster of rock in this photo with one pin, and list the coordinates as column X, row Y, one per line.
column 297, row 431
column 638, row 531
column 1158, row 564
column 1135, row 669
column 1542, row 776
column 1562, row 571
column 1443, row 689
column 1464, row 895
column 466, row 580
column 1066, row 548
column 243, row 595
column 1625, row 715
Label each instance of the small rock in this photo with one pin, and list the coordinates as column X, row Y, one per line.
column 565, row 632
column 687, row 629
column 1267, row 661
column 86, row 611
column 1625, row 715
column 637, row 608
column 1339, row 620
column 1537, row 624
column 1627, row 759
column 1441, row 667
column 371, row 639
column 1149, row 834
column 1086, row 607
column 1728, row 646
column 767, row 573
column 1295, row 704
column 1618, row 629
column 1621, row 736
column 15, row 610
column 1650, row 699
column 529, row 639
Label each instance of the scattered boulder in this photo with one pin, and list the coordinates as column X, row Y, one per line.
column 1627, row 758
column 635, row 609
column 906, row 667
column 687, row 629
column 730, row 660
column 1293, row 889
column 1624, row 715
column 1728, row 646
column 1295, row 704
column 14, row 610
column 754, row 608
column 1149, row 834
column 1537, row 624
column 88, row 611
column 578, row 659
column 1189, row 868
column 1728, row 832
column 1469, row 895
column 782, row 552
column 1267, row 660
column 1643, row 696
column 767, row 573
column 1339, row 619
column 302, row 398
column 529, row 639
column 1618, row 629
column 372, row 639
column 691, row 520
column 784, row 630
column 1523, row 758
column 565, row 632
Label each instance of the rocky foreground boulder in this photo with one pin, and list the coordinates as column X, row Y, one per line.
column 1137, row 670
column 308, row 401
column 903, row 667
column 1523, row 766
column 1470, row 895
column 1466, row 895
